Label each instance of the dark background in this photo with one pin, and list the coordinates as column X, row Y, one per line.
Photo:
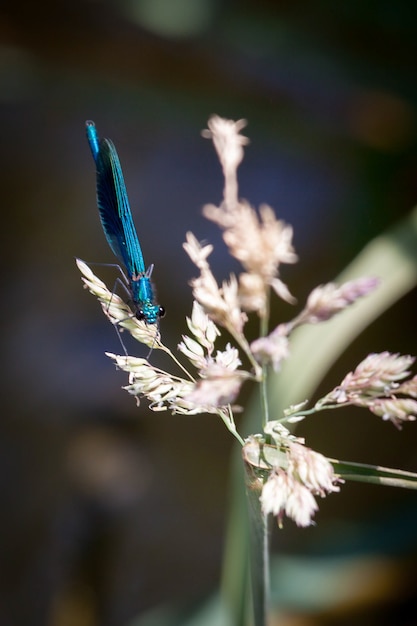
column 107, row 510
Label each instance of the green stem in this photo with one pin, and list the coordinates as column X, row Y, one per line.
column 241, row 341
column 180, row 365
column 257, row 520
column 263, row 331
column 259, row 554
column 315, row 409
column 264, row 396
column 230, row 424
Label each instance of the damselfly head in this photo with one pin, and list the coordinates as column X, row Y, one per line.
column 150, row 313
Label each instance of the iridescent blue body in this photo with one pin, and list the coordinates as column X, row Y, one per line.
column 117, row 222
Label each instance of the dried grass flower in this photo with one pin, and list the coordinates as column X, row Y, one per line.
column 374, row 384
column 295, row 476
column 326, row 301
column 288, row 475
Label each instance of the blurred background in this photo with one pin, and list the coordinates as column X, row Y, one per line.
column 107, row 510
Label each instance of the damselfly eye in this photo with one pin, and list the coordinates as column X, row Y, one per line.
column 140, row 314
column 161, row 311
